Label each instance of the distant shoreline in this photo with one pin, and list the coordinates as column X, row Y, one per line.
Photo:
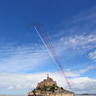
column 85, row 94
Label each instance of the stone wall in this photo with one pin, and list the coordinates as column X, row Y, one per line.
column 57, row 94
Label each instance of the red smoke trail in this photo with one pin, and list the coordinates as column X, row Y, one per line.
column 43, row 35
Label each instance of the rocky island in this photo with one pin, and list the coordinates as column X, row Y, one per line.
column 48, row 87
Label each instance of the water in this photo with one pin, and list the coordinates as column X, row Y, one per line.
column 85, row 95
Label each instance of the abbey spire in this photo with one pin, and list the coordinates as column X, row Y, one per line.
column 47, row 75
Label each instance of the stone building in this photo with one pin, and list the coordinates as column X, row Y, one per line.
column 48, row 87
column 47, row 82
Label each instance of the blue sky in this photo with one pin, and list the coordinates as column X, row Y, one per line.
column 24, row 60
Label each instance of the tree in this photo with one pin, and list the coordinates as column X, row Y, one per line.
column 34, row 91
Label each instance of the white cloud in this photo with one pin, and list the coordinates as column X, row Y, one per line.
column 79, row 72
column 75, row 45
column 29, row 82
column 26, row 58
column 92, row 55
column 10, row 87
column 18, row 86
column 78, row 35
column 87, row 15
column 23, row 59
column 84, row 85
column 72, row 74
column 86, row 69
column 26, row 81
column 29, row 57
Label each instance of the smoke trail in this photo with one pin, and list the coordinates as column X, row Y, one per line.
column 46, row 41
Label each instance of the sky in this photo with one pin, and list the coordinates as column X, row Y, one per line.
column 24, row 59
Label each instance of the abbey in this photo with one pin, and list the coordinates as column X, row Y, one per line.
column 47, row 82
column 49, row 87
